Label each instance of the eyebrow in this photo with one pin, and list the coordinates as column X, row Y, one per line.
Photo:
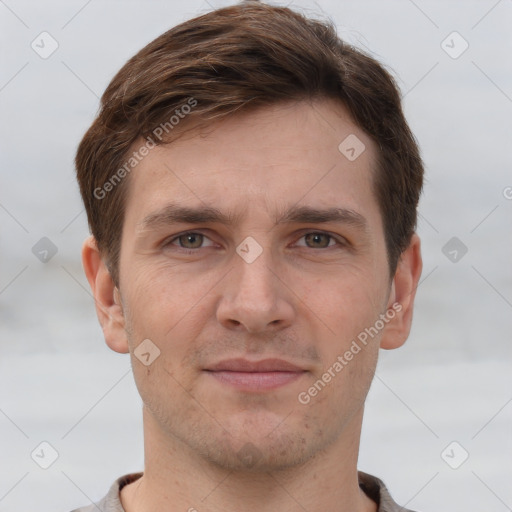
column 173, row 214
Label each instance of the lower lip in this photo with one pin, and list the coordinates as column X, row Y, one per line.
column 256, row 381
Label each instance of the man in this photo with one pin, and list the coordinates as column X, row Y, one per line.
column 251, row 187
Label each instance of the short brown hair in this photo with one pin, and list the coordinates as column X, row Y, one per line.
column 235, row 59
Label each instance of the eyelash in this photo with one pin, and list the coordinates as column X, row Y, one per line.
column 169, row 242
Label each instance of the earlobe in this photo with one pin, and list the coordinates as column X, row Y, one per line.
column 106, row 297
column 403, row 292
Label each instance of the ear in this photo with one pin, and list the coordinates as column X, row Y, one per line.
column 106, row 296
column 401, row 297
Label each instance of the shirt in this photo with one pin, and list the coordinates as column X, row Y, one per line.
column 371, row 486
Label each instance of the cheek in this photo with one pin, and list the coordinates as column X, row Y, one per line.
column 339, row 392
column 161, row 299
column 350, row 350
column 169, row 308
column 346, row 302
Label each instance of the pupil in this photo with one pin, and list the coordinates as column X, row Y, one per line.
column 190, row 239
column 316, row 238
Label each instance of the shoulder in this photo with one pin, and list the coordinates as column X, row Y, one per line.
column 111, row 502
column 375, row 489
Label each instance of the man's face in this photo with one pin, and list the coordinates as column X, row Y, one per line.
column 276, row 282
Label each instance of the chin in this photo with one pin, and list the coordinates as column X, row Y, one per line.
column 262, row 446
column 261, row 457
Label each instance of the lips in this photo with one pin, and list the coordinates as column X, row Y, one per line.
column 255, row 376
column 244, row 365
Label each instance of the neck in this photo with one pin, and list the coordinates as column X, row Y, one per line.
column 176, row 478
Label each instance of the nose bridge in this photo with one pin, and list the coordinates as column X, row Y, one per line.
column 253, row 296
column 253, row 272
column 252, row 279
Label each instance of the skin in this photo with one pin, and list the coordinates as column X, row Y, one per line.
column 304, row 299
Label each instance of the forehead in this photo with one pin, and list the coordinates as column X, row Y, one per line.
column 258, row 162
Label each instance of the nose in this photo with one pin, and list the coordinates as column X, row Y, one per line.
column 255, row 298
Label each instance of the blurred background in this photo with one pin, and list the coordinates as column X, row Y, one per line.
column 438, row 424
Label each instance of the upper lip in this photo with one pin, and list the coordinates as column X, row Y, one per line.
column 244, row 365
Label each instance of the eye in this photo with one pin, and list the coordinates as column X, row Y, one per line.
column 319, row 240
column 190, row 240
